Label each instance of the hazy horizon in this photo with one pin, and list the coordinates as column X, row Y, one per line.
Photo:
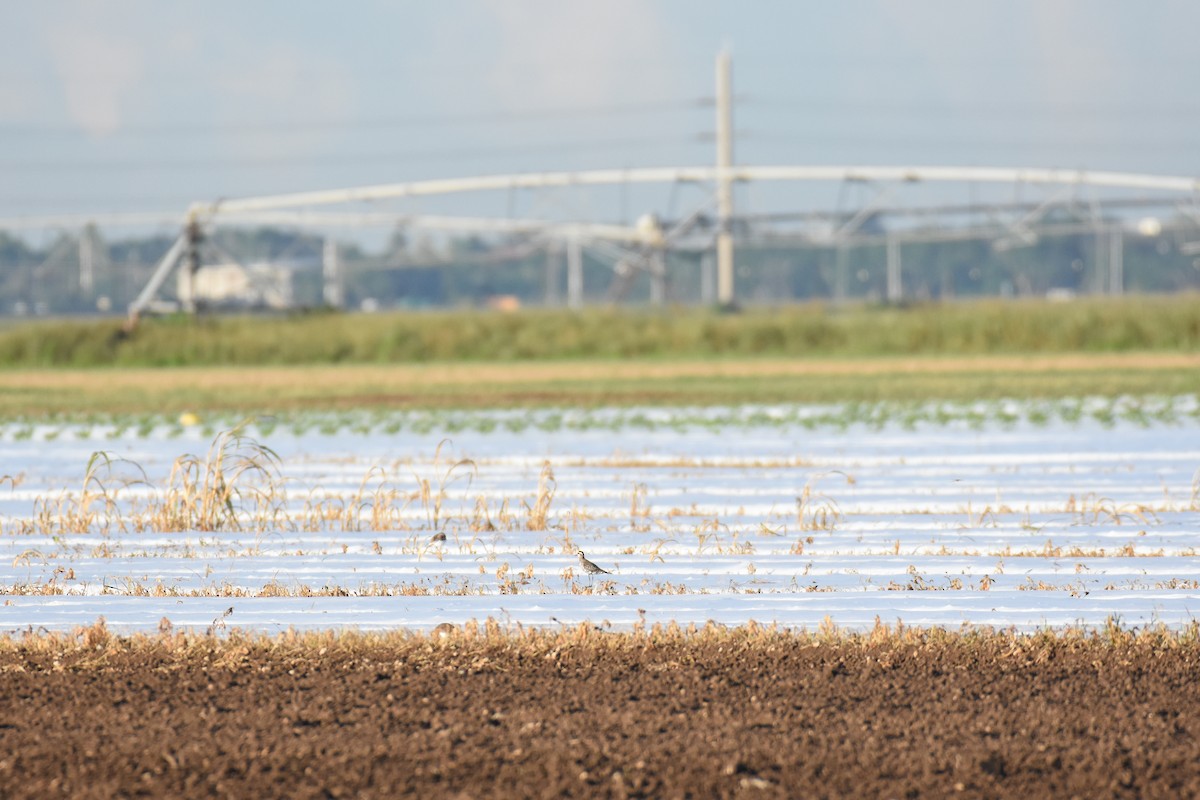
column 131, row 105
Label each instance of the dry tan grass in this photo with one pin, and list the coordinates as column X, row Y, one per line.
column 539, row 511
column 38, row 393
column 94, row 645
column 398, row 378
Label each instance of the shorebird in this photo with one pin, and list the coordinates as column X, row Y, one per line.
column 589, row 567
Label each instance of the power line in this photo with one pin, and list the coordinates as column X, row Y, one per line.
column 988, row 107
column 375, row 123
column 335, row 159
column 890, row 138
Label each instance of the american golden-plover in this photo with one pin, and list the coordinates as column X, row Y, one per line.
column 589, row 567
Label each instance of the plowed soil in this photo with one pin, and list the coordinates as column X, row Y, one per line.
column 707, row 715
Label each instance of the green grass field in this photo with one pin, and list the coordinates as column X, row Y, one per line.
column 959, row 351
column 963, row 328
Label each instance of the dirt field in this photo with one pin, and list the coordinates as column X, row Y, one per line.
column 574, row 715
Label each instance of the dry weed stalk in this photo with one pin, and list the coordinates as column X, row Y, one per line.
column 986, row 517
column 481, row 521
column 205, row 494
column 492, row 643
column 431, row 499
column 95, row 507
column 377, row 506
column 639, row 508
column 540, row 510
column 576, row 518
column 1093, row 508
column 816, row 512
column 706, row 531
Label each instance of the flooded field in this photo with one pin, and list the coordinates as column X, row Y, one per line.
column 1013, row 515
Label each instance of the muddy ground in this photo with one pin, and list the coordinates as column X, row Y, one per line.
column 600, row 715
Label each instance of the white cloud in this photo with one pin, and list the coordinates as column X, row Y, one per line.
column 1080, row 57
column 1047, row 51
column 118, row 60
column 97, row 68
column 282, row 81
column 17, row 102
column 549, row 53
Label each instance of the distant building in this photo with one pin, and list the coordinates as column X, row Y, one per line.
column 259, row 285
column 503, row 302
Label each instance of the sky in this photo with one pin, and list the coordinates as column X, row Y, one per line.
column 139, row 105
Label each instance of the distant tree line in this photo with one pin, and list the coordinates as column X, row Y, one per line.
column 80, row 272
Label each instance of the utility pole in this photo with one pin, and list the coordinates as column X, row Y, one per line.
column 553, row 267
column 725, row 297
column 193, row 236
column 895, row 283
column 574, row 273
column 658, row 277
column 840, row 265
column 331, row 270
column 87, row 263
column 708, row 278
column 1116, row 261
